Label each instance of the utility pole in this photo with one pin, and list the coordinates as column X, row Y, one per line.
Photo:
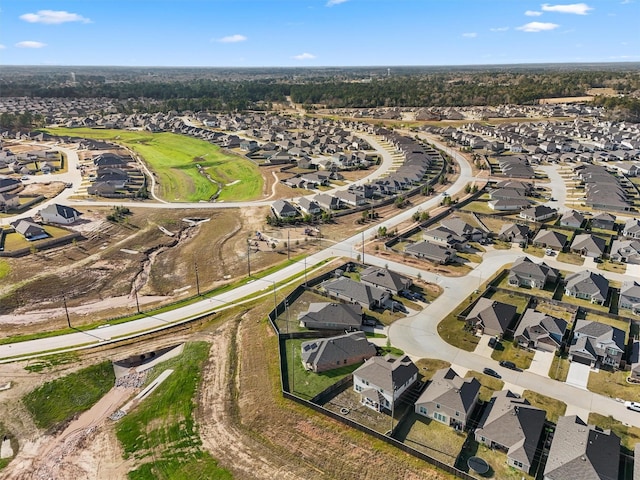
column 305, row 271
column 66, row 310
column 135, row 291
column 363, row 246
column 288, row 246
column 393, row 404
column 248, row 257
column 197, row 279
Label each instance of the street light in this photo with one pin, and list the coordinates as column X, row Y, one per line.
column 66, row 310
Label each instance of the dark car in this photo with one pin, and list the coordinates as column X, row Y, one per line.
column 406, row 294
column 491, row 372
column 493, row 341
column 508, row 364
column 419, row 296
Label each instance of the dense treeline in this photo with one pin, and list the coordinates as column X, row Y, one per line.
column 455, row 88
column 621, row 108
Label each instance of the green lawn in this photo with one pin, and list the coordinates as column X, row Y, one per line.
column 488, row 384
column 497, row 460
column 429, row 366
column 452, row 330
column 506, row 351
column 559, row 368
column 161, row 434
column 433, row 438
column 613, row 384
column 554, row 408
column 175, row 158
column 59, row 400
column 478, row 207
column 308, row 384
column 5, row 268
column 516, row 300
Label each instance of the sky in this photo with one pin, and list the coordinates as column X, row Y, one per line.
column 286, row 33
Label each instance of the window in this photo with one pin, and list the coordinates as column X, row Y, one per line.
column 457, row 414
column 358, row 388
column 423, row 410
column 517, row 464
column 437, row 405
column 440, row 417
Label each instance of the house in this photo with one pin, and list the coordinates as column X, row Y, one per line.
column 331, row 316
column 539, row 213
column 587, row 286
column 329, row 353
column 7, row 184
column 597, row 344
column 512, row 425
column 630, row 296
column 491, row 317
column 582, row 451
column 9, row 201
column 351, row 198
column 29, row 229
column 588, row 245
column 540, row 331
column 381, row 381
column 443, row 236
column 508, row 204
column 463, row 229
column 56, row 213
column 550, row 239
column 603, row 220
column 526, row 273
column 449, row 398
column 431, row 251
column 572, row 219
column 328, row 202
column 514, row 233
column 385, row 279
column 309, row 207
column 625, row 251
column 356, row 292
column 631, row 228
column 283, row 209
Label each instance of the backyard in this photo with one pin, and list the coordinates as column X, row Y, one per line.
column 433, row 438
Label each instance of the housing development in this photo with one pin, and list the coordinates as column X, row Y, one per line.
column 303, row 290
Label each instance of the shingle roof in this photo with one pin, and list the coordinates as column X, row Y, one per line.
column 330, row 350
column 586, row 282
column 387, row 372
column 449, row 389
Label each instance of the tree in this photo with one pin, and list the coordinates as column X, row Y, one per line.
column 467, row 188
column 382, row 232
column 399, row 201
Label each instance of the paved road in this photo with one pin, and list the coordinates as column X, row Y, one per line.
column 417, row 335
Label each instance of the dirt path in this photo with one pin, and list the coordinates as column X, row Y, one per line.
column 87, row 448
column 226, row 442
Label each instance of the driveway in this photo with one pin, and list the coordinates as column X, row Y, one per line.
column 633, row 270
column 578, row 375
column 541, row 363
column 483, row 347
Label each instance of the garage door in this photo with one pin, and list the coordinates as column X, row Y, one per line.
column 582, row 360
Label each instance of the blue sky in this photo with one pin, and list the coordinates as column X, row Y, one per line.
column 248, row 33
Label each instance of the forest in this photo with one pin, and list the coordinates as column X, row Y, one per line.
column 238, row 90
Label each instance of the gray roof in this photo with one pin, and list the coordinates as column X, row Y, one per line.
column 589, row 283
column 384, row 278
column 514, row 231
column 451, row 390
column 325, row 351
column 536, row 325
column 525, row 268
column 581, row 451
column 492, row 314
column 551, row 238
column 359, row 292
column 590, row 243
column 460, row 227
column 387, row 372
column 335, row 315
column 430, row 250
column 512, row 422
column 538, row 211
column 572, row 217
column 282, row 208
column 62, row 210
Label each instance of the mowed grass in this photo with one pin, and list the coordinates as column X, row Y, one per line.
column 5, row 268
column 175, row 158
column 59, row 400
column 162, row 427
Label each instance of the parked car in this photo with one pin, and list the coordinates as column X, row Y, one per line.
column 491, row 372
column 635, row 406
column 548, row 251
column 419, row 296
column 493, row 341
column 407, row 294
column 508, row 364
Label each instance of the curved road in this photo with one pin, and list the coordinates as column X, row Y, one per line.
column 417, row 334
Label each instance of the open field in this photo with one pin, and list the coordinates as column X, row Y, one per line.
column 613, row 384
column 182, row 163
column 61, row 399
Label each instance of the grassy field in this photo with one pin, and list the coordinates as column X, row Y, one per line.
column 58, row 400
column 452, row 330
column 559, row 369
column 609, row 266
column 5, row 268
column 612, row 384
column 572, row 258
column 428, row 367
column 175, row 158
column 162, row 428
column 554, row 408
column 516, row 300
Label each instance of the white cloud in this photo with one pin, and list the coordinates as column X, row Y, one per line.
column 574, row 8
column 331, row 3
column 53, row 17
column 30, row 44
column 538, row 27
column 499, row 29
column 532, row 13
column 470, row 35
column 2, row 47
column 304, row 56
column 232, row 39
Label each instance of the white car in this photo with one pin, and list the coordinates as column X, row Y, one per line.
column 635, row 406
